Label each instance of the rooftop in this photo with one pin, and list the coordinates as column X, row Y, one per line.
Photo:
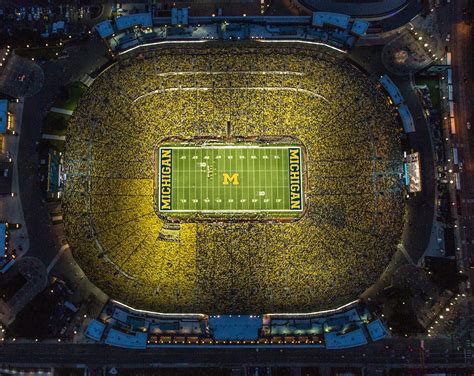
column 3, row 115
column 238, row 327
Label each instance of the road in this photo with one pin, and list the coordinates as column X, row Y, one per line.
column 45, row 239
column 393, row 353
column 463, row 75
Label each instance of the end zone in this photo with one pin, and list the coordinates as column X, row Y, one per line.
column 165, row 187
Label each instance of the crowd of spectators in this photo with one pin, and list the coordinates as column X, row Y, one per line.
column 354, row 196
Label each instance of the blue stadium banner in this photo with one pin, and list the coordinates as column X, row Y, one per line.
column 165, row 179
column 295, row 179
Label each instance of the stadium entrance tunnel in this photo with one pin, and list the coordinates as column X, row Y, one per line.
column 230, row 179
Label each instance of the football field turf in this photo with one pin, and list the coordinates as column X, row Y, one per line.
column 230, row 179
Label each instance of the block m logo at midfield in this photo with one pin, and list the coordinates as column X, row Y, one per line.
column 231, row 179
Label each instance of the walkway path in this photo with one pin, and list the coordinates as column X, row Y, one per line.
column 402, row 249
column 53, row 137
column 12, row 208
column 390, row 353
column 61, row 111
column 57, row 257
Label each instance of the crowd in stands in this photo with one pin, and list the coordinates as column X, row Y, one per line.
column 354, row 196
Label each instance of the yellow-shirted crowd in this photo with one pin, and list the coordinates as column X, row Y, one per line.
column 354, row 195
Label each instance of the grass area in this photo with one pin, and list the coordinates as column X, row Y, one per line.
column 70, row 95
column 68, row 98
column 433, row 86
column 58, row 145
column 230, row 179
column 40, row 53
column 55, row 123
column 11, row 286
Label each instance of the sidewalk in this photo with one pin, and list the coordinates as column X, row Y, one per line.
column 61, row 111
column 12, row 209
column 53, row 137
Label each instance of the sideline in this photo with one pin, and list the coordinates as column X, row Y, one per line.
column 12, row 206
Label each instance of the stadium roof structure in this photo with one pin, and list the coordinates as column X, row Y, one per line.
column 130, row 341
column 407, row 119
column 377, row 330
column 343, row 341
column 359, row 27
column 95, row 330
column 57, row 27
column 334, row 19
column 232, row 327
column 3, row 115
column 179, row 16
column 391, row 89
column 142, row 29
column 394, row 13
column 104, row 29
column 3, row 238
column 142, row 19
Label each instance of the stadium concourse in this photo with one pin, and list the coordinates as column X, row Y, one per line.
column 355, row 206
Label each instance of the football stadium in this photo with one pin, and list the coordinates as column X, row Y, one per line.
column 241, row 178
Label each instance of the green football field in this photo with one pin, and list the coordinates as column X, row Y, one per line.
column 230, row 179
